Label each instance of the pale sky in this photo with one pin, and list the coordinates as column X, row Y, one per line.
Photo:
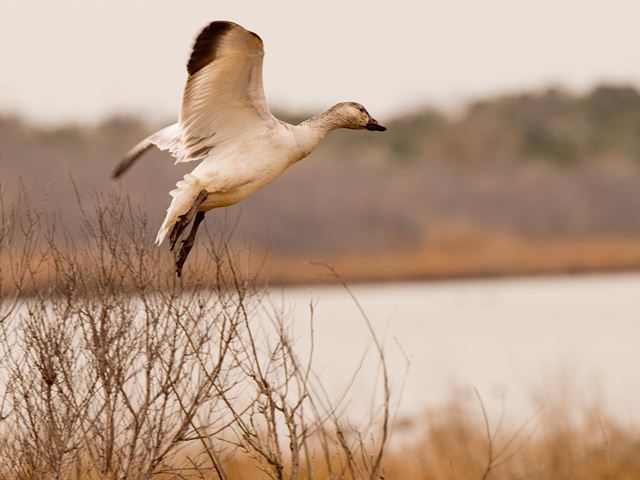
column 78, row 60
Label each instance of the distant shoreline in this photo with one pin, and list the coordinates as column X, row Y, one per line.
column 477, row 256
column 444, row 278
column 465, row 256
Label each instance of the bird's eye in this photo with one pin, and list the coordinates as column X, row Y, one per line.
column 361, row 109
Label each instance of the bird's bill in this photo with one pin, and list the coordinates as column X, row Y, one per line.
column 374, row 126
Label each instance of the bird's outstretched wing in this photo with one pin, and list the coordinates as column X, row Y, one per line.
column 223, row 98
column 166, row 139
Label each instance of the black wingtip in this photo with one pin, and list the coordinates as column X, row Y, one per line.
column 130, row 158
column 115, row 175
column 204, row 48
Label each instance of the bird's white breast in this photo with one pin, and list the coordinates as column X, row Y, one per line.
column 232, row 175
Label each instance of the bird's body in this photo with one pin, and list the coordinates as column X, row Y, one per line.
column 231, row 174
column 226, row 125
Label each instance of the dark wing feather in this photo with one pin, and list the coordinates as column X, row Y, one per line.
column 205, row 46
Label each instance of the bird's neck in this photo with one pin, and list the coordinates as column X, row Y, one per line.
column 324, row 122
column 311, row 132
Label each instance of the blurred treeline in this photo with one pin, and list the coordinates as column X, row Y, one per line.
column 537, row 166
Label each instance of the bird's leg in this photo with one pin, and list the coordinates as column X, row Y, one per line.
column 187, row 243
column 184, row 220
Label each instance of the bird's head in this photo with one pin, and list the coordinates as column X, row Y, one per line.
column 354, row 116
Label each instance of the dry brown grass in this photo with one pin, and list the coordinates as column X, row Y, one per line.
column 451, row 442
column 471, row 254
column 554, row 443
column 460, row 254
column 558, row 443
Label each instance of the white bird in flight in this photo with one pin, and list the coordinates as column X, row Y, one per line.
column 226, row 125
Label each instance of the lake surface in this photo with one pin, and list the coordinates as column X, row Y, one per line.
column 519, row 342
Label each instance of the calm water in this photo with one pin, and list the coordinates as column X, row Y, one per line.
column 518, row 341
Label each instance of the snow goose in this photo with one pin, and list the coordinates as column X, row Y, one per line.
column 226, row 125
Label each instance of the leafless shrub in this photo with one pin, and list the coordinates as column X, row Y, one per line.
column 114, row 369
column 20, row 253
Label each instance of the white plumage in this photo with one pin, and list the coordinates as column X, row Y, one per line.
column 225, row 124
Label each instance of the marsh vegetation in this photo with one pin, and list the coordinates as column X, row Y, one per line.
column 112, row 368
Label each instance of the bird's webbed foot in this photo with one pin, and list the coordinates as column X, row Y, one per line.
column 187, row 243
column 186, row 219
